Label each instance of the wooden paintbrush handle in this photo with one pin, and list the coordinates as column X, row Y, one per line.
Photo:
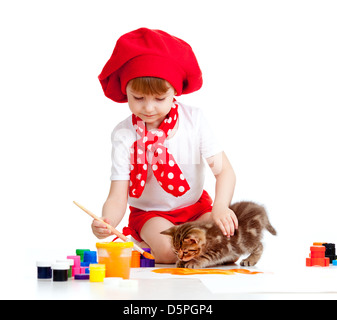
column 114, row 231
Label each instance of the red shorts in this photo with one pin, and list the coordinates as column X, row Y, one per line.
column 138, row 217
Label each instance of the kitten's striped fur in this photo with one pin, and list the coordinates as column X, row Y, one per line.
column 202, row 244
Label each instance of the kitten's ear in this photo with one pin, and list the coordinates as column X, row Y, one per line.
column 170, row 231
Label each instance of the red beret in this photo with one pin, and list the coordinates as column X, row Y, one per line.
column 150, row 53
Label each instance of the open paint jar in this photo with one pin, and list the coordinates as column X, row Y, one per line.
column 71, row 264
column 117, row 258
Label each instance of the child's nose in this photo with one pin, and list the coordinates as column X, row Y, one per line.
column 149, row 106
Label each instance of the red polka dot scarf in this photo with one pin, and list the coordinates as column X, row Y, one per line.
column 164, row 166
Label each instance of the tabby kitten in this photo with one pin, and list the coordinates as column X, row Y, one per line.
column 202, row 244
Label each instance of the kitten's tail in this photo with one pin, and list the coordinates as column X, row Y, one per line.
column 270, row 228
column 268, row 225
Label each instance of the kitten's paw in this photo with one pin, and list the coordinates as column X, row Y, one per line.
column 191, row 265
column 180, row 264
column 244, row 263
column 247, row 263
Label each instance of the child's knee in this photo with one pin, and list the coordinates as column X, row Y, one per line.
column 166, row 257
column 164, row 254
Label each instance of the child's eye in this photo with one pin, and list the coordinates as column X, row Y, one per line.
column 138, row 98
column 160, row 99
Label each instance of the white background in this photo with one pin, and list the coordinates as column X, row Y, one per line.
column 270, row 80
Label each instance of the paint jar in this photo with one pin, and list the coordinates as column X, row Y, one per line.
column 77, row 264
column 97, row 272
column 70, row 263
column 80, row 252
column 44, row 269
column 117, row 258
column 135, row 259
column 146, row 263
column 60, row 271
column 90, row 257
column 81, row 277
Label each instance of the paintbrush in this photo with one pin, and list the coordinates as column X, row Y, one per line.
column 116, row 232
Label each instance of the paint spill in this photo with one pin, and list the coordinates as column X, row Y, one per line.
column 187, row 271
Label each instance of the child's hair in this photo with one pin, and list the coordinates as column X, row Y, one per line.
column 150, row 85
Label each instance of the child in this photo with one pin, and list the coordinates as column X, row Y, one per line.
column 157, row 152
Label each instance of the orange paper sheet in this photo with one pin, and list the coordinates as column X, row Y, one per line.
column 187, row 271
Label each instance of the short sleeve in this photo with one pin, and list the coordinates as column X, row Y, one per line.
column 121, row 140
column 209, row 143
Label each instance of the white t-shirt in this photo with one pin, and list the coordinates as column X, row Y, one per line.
column 193, row 141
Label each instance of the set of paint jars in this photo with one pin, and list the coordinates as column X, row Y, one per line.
column 114, row 260
column 62, row 270
column 58, row 271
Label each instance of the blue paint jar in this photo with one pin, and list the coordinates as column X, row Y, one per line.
column 90, row 257
column 44, row 269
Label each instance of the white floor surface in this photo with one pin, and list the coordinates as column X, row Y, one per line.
column 276, row 282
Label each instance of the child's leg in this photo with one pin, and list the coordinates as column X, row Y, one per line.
column 160, row 244
column 141, row 244
column 205, row 217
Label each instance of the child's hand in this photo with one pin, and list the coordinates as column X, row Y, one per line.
column 100, row 230
column 226, row 220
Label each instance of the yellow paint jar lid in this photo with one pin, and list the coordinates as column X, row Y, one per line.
column 97, row 266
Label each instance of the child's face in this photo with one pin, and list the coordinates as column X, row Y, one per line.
column 152, row 109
